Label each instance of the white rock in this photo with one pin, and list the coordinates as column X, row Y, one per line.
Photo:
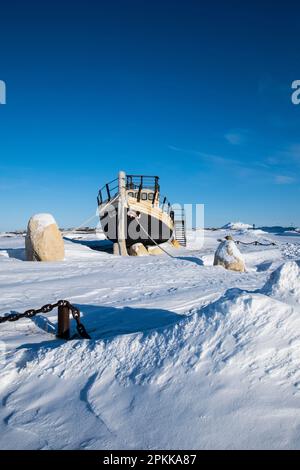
column 43, row 240
column 229, row 256
column 138, row 249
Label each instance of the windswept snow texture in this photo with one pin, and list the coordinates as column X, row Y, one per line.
column 183, row 354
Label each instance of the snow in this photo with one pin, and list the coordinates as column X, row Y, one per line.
column 183, row 354
column 43, row 220
column 236, row 226
column 284, row 282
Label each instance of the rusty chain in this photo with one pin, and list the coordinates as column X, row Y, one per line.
column 256, row 243
column 46, row 309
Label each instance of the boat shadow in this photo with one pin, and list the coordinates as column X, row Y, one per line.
column 97, row 245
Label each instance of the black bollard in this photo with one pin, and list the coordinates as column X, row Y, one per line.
column 63, row 331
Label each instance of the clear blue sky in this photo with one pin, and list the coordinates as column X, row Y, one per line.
column 198, row 94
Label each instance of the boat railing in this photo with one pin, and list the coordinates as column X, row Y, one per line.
column 138, row 183
column 179, row 212
column 142, row 182
column 165, row 205
column 108, row 191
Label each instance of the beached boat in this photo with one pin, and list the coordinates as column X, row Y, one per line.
column 147, row 216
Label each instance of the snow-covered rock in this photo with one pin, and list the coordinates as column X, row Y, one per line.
column 138, row 249
column 229, row 256
column 236, row 226
column 44, row 241
column 284, row 282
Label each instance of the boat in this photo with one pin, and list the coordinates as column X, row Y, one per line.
column 133, row 205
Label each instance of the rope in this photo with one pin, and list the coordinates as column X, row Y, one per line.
column 96, row 215
column 107, row 204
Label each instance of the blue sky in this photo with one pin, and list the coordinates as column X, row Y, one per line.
column 198, row 94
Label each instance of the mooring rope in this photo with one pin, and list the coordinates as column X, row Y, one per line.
column 98, row 213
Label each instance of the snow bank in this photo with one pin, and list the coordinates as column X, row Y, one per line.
column 166, row 335
column 284, row 282
column 239, row 329
column 236, row 226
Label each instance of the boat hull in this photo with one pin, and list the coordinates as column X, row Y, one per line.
column 147, row 229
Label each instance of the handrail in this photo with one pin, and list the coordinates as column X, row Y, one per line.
column 134, row 182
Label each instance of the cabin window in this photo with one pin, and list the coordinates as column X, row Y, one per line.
column 131, row 194
column 144, row 196
column 151, row 196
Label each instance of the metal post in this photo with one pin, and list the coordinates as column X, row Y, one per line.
column 63, row 331
column 121, row 214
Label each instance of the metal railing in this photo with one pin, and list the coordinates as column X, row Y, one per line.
column 138, row 183
column 108, row 191
column 142, row 182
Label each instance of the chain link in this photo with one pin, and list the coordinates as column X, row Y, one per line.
column 256, row 243
column 12, row 317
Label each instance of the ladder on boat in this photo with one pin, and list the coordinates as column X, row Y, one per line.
column 180, row 226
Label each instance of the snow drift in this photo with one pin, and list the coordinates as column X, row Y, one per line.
column 238, row 326
column 182, row 355
column 284, row 282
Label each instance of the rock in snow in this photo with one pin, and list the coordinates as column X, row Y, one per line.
column 229, row 256
column 175, row 243
column 44, row 241
column 138, row 249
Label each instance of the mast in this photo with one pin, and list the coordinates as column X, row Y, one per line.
column 120, row 247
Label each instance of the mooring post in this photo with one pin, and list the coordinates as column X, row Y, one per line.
column 121, row 230
column 63, row 331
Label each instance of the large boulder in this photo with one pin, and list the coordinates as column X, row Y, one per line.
column 43, row 240
column 138, row 249
column 229, row 256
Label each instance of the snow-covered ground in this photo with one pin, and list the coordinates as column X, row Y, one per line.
column 183, row 354
column 236, row 226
